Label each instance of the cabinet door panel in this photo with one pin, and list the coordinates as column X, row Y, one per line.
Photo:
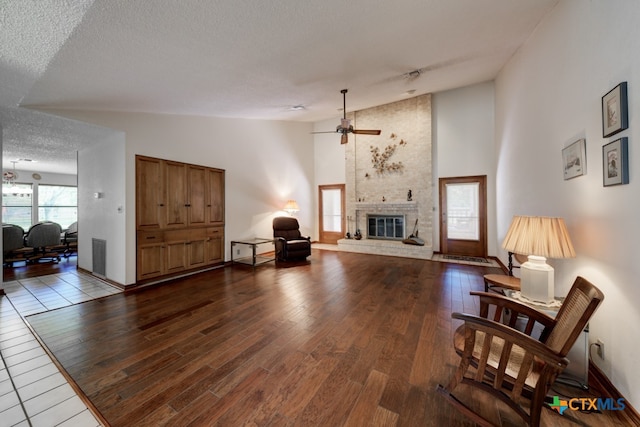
column 150, row 261
column 197, row 253
column 197, row 247
column 176, row 193
column 176, row 256
column 215, row 245
column 215, row 205
column 197, row 195
column 149, row 193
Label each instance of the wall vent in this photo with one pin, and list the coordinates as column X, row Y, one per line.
column 99, row 253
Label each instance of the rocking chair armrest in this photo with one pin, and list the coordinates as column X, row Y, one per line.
column 538, row 349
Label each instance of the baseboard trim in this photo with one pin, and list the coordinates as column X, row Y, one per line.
column 104, row 279
column 600, row 382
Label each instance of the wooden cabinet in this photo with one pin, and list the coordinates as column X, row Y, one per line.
column 150, row 208
column 176, row 206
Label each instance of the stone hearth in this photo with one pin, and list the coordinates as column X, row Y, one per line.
column 385, row 247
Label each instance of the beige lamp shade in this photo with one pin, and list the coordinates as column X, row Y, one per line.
column 291, row 207
column 538, row 235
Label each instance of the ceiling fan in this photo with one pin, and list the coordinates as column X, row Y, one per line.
column 345, row 127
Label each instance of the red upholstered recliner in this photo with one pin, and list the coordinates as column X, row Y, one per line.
column 290, row 244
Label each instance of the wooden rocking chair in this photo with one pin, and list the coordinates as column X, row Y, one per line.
column 514, row 365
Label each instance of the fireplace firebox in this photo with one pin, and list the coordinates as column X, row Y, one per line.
column 385, row 227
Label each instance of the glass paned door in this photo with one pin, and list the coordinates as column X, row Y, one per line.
column 463, row 216
column 332, row 218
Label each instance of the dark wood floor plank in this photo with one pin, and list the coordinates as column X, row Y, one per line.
column 367, row 403
column 284, row 389
column 216, row 411
column 323, row 401
column 344, row 339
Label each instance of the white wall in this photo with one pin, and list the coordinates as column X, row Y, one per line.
column 329, row 160
column 1, row 274
column 328, row 154
column 266, row 163
column 101, row 169
column 548, row 96
column 463, row 139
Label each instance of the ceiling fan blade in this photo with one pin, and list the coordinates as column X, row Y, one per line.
column 366, row 132
column 327, row 131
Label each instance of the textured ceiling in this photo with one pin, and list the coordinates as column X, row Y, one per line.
column 249, row 59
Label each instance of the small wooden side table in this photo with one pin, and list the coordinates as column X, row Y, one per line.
column 501, row 281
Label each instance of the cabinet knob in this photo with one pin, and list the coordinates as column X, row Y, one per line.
column 187, row 205
column 161, row 204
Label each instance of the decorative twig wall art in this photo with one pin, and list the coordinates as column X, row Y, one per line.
column 381, row 160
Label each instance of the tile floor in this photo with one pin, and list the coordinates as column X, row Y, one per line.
column 33, row 392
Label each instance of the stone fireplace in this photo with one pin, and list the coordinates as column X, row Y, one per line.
column 390, row 176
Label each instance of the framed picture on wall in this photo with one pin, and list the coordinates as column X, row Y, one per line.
column 615, row 163
column 615, row 115
column 574, row 159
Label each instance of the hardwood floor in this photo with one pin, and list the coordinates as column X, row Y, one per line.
column 345, row 339
column 22, row 270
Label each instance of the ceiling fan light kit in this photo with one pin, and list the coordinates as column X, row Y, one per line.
column 9, row 178
column 345, row 127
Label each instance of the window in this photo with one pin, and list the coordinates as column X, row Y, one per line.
column 16, row 207
column 332, row 209
column 463, row 211
column 58, row 203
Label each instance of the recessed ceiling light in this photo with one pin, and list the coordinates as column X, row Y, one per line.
column 297, row 108
column 410, row 92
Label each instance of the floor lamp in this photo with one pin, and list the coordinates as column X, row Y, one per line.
column 540, row 238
